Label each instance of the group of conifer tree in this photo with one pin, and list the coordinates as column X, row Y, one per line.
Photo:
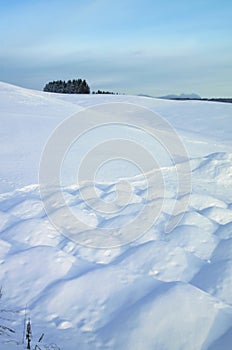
column 75, row 86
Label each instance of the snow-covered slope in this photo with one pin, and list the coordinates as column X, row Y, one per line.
column 161, row 291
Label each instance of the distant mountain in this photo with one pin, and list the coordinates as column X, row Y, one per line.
column 183, row 96
column 145, row 95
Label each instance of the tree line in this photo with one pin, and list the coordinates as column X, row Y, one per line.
column 104, row 92
column 75, row 86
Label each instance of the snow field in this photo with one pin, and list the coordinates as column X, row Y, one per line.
column 162, row 291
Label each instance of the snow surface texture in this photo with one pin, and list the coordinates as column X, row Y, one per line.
column 160, row 292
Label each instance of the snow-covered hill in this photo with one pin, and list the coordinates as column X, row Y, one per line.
column 161, row 291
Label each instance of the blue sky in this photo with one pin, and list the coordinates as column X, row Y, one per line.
column 131, row 46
